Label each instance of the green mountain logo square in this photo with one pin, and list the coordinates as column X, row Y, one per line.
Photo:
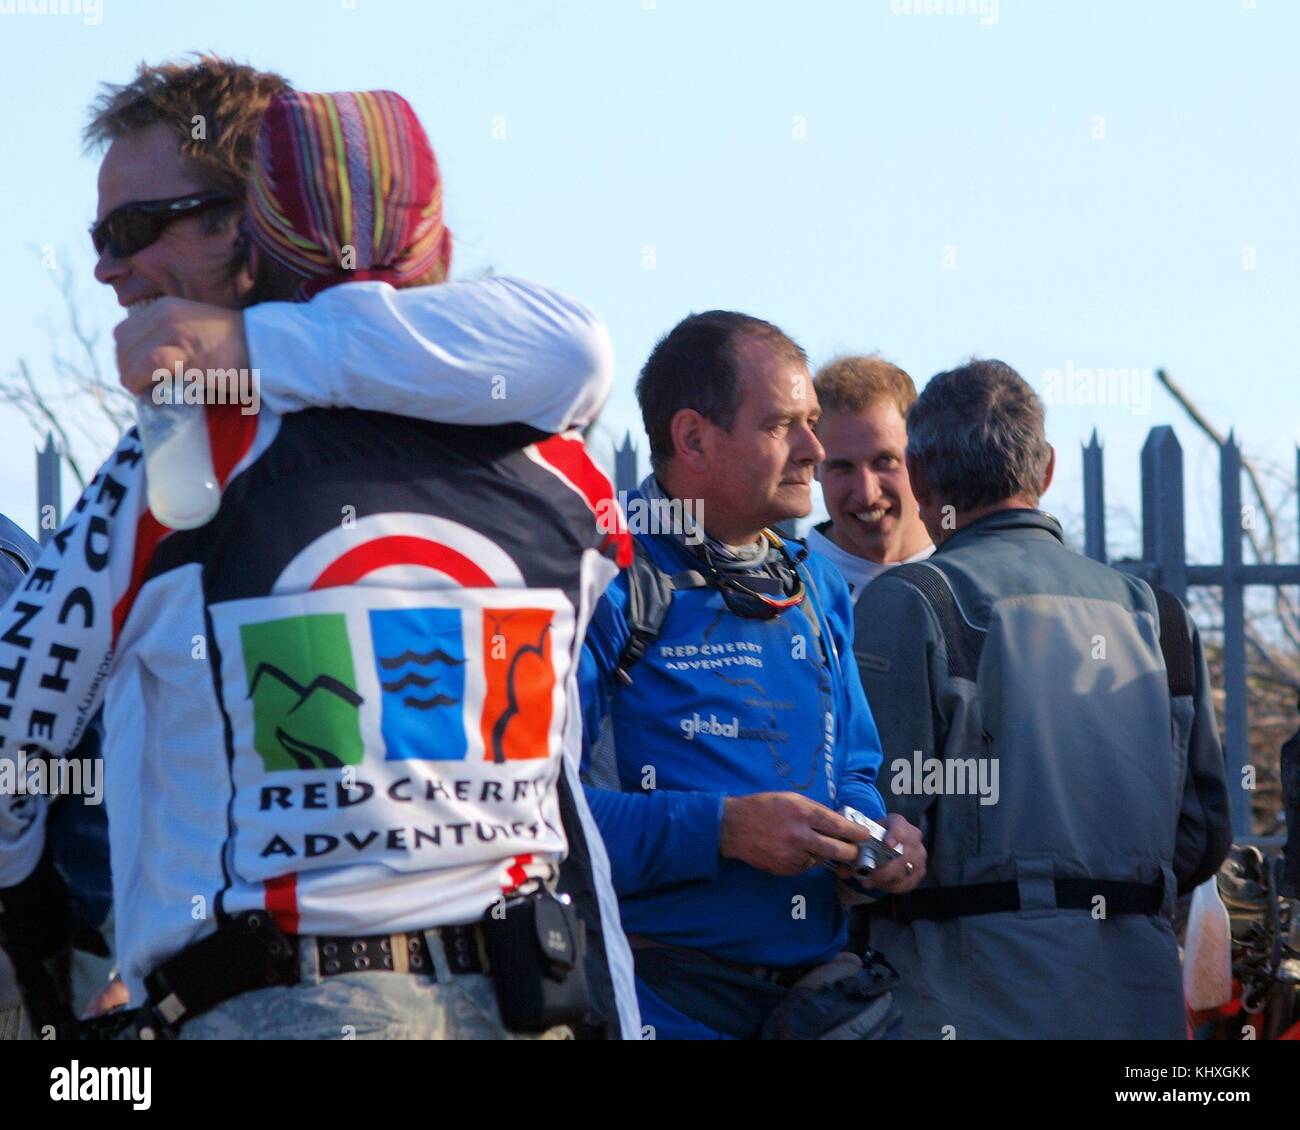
column 306, row 709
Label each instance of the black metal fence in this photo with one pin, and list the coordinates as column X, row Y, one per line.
column 1164, row 562
column 1164, row 558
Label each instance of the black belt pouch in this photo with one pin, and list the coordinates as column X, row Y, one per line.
column 536, row 945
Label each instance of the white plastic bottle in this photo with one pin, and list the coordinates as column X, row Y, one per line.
column 183, row 489
column 1207, row 955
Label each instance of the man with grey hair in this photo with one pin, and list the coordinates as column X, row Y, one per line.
column 1046, row 721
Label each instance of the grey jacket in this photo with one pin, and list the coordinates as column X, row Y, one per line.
column 1054, row 768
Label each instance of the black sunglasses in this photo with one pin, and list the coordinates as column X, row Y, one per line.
column 130, row 228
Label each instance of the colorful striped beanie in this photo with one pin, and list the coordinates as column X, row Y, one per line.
column 345, row 187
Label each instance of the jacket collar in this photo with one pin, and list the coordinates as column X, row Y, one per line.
column 1034, row 523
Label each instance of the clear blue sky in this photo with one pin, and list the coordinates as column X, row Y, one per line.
column 1068, row 183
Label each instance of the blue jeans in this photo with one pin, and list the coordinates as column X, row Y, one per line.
column 367, row 1005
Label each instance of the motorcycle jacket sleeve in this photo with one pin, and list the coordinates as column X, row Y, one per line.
column 57, row 635
column 654, row 837
column 899, row 652
column 485, row 352
column 856, row 724
column 1204, row 820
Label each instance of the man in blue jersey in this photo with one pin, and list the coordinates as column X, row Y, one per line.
column 725, row 723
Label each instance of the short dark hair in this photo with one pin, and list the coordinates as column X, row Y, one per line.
column 695, row 366
column 977, row 432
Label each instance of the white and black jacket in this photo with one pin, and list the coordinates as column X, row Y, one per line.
column 350, row 698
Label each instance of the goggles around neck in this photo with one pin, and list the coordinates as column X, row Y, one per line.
column 743, row 599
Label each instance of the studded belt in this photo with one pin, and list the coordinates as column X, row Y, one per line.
column 400, row 953
column 250, row 952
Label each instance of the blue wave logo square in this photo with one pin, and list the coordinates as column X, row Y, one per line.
column 420, row 661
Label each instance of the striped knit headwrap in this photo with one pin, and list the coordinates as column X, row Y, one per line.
column 345, row 187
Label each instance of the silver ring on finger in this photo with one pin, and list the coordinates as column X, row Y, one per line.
column 909, row 866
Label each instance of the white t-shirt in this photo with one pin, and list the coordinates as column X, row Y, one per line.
column 857, row 571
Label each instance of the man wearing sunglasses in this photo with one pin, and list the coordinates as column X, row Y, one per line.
column 168, row 235
column 725, row 723
column 171, row 190
column 131, row 227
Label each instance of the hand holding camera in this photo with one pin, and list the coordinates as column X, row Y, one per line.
column 891, row 859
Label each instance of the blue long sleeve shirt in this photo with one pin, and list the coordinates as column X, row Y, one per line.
column 724, row 706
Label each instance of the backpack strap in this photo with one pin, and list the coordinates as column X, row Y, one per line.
column 1175, row 643
column 649, row 597
column 962, row 640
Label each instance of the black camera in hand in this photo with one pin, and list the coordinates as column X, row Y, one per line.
column 873, row 853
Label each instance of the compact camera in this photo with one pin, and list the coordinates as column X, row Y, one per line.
column 873, row 853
